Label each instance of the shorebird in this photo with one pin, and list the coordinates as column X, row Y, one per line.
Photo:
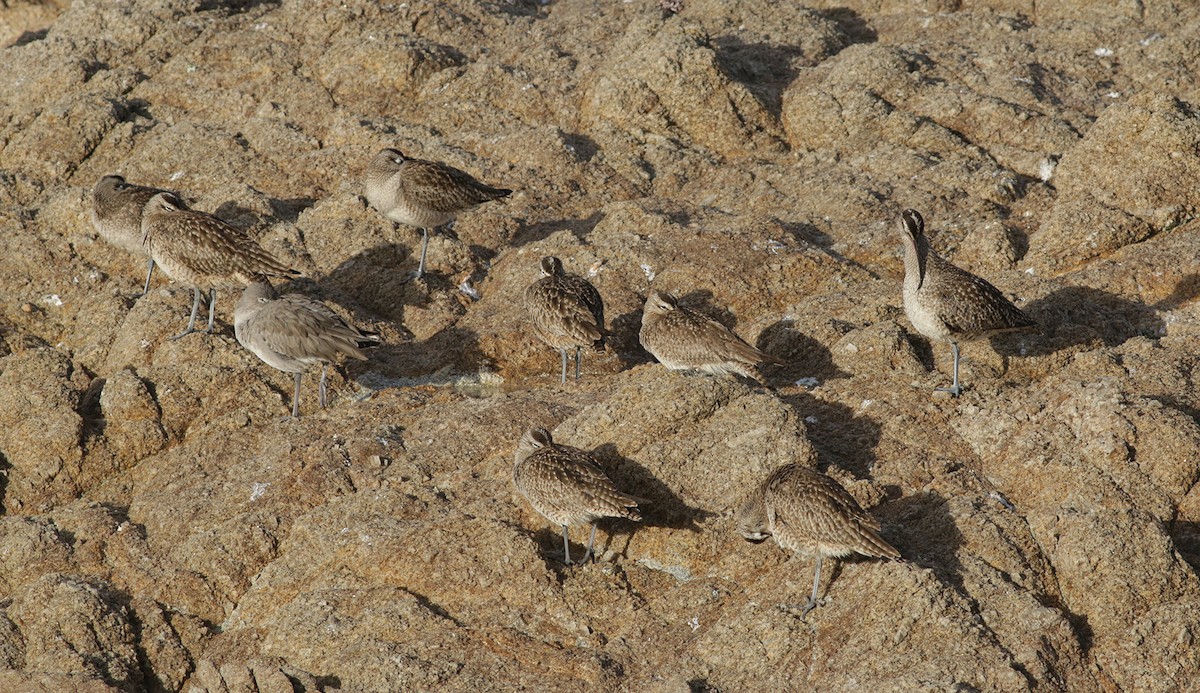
column 948, row 304
column 117, row 215
column 566, row 311
column 424, row 194
column 201, row 251
column 567, row 487
column 809, row 513
column 293, row 331
column 682, row 339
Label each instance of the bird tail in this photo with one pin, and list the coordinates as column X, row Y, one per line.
column 875, row 546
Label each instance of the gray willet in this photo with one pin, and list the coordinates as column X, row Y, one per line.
column 948, row 304
column 424, row 194
column 682, row 339
column 566, row 312
column 203, row 252
column 567, row 487
column 117, row 215
column 809, row 513
column 292, row 332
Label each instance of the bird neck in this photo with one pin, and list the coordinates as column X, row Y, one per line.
column 916, row 256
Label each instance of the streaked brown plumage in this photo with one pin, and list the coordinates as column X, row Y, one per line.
column 292, row 332
column 117, row 216
column 809, row 513
column 425, row 194
column 566, row 486
column 566, row 311
column 682, row 339
column 948, row 304
column 203, row 252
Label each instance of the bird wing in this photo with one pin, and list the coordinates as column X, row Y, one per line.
column 444, row 188
column 569, row 480
column 301, row 328
column 561, row 309
column 804, row 502
column 969, row 305
column 714, row 340
column 209, row 246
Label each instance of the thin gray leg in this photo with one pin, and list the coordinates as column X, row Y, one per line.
column 149, row 273
column 577, row 350
column 192, row 320
column 591, row 540
column 566, row 547
column 812, row 600
column 212, row 309
column 322, row 390
column 296, row 398
column 424, row 249
column 954, row 389
column 563, row 353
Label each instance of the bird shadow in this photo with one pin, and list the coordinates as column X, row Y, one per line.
column 765, row 70
column 376, row 280
column 840, row 436
column 1186, row 536
column 440, row 360
column 803, row 356
column 539, row 231
column 624, row 339
column 808, row 235
column 851, row 23
column 1184, row 293
column 662, row 508
column 1080, row 315
column 923, row 528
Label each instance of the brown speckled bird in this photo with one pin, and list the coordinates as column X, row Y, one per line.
column 566, row 312
column 117, row 216
column 292, row 332
column 948, row 304
column 567, row 487
column 424, row 194
column 203, row 252
column 682, row 339
column 809, row 513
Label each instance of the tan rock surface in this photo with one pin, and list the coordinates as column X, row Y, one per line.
column 165, row 528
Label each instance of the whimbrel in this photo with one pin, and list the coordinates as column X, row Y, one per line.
column 293, row 331
column 117, row 215
column 948, row 304
column 201, row 251
column 425, row 194
column 682, row 339
column 566, row 311
column 567, row 487
column 809, row 513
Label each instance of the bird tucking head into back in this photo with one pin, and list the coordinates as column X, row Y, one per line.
column 551, row 266
column 534, row 439
column 659, row 303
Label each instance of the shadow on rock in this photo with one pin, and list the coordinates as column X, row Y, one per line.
column 1185, row 292
column 662, row 507
column 923, row 529
column 1186, row 536
column 852, row 25
column 532, row 233
column 376, row 279
column 623, row 339
column 1079, row 315
column 803, row 356
column 840, row 436
column 765, row 70
column 439, row 360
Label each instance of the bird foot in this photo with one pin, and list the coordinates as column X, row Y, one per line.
column 183, row 334
column 954, row 391
column 803, row 609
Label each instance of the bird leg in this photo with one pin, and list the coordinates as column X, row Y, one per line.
column 149, row 273
column 424, row 249
column 212, row 309
column 566, row 547
column 591, row 540
column 563, row 353
column 191, row 321
column 296, row 398
column 812, row 599
column 577, row 351
column 954, row 389
column 322, row 390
